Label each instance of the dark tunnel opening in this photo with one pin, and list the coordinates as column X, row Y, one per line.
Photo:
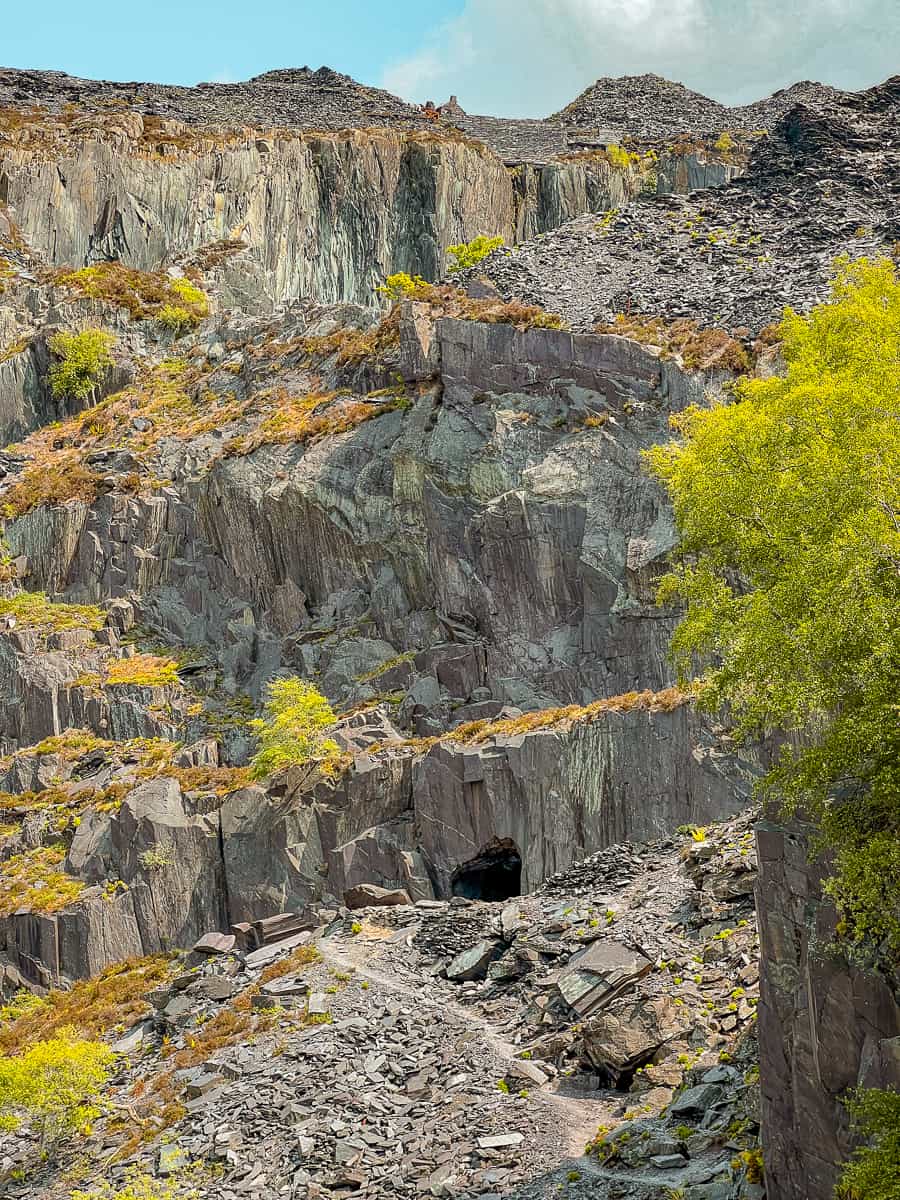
column 495, row 874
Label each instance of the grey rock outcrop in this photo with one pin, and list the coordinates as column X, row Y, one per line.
column 559, row 794
column 318, row 214
column 159, row 883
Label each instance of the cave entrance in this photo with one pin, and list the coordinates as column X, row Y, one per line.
column 496, row 873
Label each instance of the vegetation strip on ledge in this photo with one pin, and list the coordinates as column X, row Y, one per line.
column 474, row 733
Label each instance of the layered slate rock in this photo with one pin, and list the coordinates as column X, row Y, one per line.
column 826, row 1024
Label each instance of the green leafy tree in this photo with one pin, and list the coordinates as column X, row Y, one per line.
column 83, row 360
column 403, row 286
column 788, row 506
column 57, row 1083
column 292, row 732
column 874, row 1171
column 467, row 254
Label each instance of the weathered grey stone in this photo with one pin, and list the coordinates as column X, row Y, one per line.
column 599, row 974
column 215, row 943
column 696, row 1101
column 472, row 963
column 369, row 895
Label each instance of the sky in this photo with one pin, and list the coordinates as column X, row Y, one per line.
column 504, row 57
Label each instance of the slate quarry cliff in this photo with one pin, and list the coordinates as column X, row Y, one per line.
column 431, row 504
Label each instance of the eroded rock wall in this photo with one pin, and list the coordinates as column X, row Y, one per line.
column 510, row 497
column 323, row 215
column 826, row 1024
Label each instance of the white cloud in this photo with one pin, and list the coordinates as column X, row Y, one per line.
column 531, row 57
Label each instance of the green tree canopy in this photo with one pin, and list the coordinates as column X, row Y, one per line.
column 292, row 732
column 788, row 507
column 57, row 1082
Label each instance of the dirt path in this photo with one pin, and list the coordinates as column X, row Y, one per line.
column 576, row 1119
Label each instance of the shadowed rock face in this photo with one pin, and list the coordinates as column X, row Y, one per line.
column 826, row 1025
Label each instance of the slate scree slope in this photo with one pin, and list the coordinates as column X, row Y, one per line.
column 432, row 507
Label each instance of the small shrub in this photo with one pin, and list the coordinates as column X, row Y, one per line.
column 139, row 1186
column 292, row 732
column 751, row 1163
column 724, row 144
column 21, row 1005
column 57, row 1082
column 143, row 670
column 84, row 359
column 155, row 859
column 175, row 318
column 402, row 286
column 467, row 254
column 32, row 610
column 620, row 158
column 34, row 881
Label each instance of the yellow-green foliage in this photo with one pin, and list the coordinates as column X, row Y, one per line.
column 725, row 143
column 448, row 301
column 63, row 806
column 175, row 318
column 57, row 1083
column 70, row 744
column 33, row 880
column 384, row 667
column 144, row 293
column 142, row 1187
column 32, row 610
column 795, row 492
column 292, row 731
column 61, row 479
column 467, row 254
column 874, row 1171
column 92, row 1007
column 143, row 670
column 21, row 1005
column 402, row 286
column 620, row 158
column 56, row 472
column 83, row 360
column 302, row 419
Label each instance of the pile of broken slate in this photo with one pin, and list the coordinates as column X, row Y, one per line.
column 467, row 1049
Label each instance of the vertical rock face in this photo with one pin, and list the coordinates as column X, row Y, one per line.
column 553, row 794
column 326, row 215
column 825, row 1024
